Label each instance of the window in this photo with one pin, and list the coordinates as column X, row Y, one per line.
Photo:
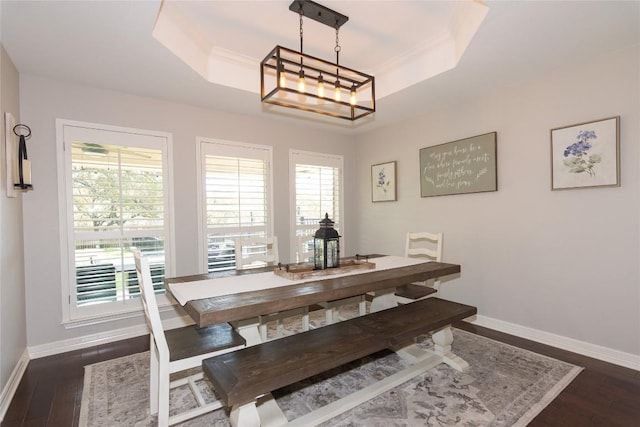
column 317, row 190
column 117, row 189
column 235, row 198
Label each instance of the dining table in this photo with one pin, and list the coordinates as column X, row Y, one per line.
column 240, row 296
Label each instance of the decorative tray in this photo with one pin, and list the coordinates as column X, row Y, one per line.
column 304, row 271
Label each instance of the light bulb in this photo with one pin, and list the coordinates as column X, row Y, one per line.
column 320, row 86
column 353, row 100
column 338, row 95
column 283, row 78
column 301, row 81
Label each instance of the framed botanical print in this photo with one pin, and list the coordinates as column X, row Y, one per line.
column 586, row 155
column 383, row 182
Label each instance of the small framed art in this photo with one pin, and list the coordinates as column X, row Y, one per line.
column 586, row 155
column 383, row 182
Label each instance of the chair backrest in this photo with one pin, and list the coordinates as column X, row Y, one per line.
column 252, row 252
column 150, row 305
column 423, row 244
column 304, row 248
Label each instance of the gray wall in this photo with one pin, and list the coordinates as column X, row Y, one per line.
column 44, row 100
column 13, row 329
column 563, row 262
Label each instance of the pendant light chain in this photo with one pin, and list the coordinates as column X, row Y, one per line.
column 301, row 34
column 301, row 82
column 337, row 95
column 337, row 48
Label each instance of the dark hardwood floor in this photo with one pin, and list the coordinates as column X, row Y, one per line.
column 602, row 395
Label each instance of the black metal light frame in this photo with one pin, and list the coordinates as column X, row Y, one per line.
column 293, row 63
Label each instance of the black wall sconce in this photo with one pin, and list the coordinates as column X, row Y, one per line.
column 22, row 173
column 18, row 170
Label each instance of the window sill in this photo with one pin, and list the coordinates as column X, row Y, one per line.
column 107, row 318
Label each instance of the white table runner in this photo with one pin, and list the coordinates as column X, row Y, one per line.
column 199, row 289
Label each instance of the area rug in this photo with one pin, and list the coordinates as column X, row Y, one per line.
column 504, row 386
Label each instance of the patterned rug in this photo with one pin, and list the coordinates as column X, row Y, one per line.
column 504, row 386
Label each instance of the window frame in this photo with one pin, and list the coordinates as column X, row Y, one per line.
column 90, row 314
column 317, row 159
column 230, row 149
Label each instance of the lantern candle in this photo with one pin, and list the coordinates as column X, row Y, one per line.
column 26, row 172
column 326, row 245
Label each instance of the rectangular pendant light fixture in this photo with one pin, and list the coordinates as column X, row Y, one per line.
column 292, row 79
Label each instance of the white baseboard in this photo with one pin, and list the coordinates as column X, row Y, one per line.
column 605, row 354
column 35, row 352
column 12, row 384
column 48, row 349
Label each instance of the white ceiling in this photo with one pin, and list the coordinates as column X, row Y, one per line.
column 401, row 43
column 109, row 44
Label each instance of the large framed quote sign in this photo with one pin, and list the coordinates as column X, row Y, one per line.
column 464, row 166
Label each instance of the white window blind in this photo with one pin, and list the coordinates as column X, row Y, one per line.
column 117, row 200
column 237, row 201
column 317, row 191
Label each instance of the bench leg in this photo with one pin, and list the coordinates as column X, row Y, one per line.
column 245, row 415
column 305, row 319
column 262, row 327
column 330, row 313
column 362, row 306
column 442, row 340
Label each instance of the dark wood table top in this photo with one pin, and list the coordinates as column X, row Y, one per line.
column 245, row 305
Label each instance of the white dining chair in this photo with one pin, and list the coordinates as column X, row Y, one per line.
column 255, row 252
column 428, row 246
column 177, row 350
column 304, row 248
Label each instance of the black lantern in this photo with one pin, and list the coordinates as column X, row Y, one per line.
column 326, row 245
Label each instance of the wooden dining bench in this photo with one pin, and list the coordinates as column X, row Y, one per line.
column 240, row 377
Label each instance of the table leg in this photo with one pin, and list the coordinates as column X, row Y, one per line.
column 245, row 415
column 270, row 413
column 249, row 330
column 383, row 299
column 386, row 298
column 442, row 340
